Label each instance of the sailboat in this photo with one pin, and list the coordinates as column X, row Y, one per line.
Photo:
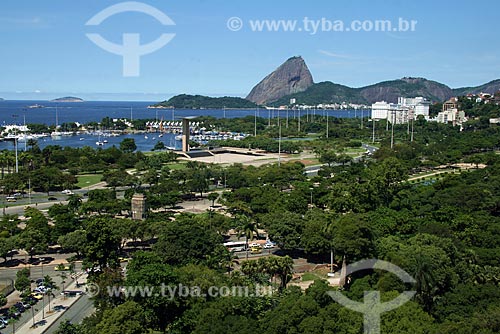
column 56, row 133
column 100, row 142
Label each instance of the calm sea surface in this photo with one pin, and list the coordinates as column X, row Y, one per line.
column 18, row 112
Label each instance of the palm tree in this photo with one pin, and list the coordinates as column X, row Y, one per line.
column 329, row 230
column 3, row 163
column 49, row 283
column 424, row 276
column 285, row 270
column 246, row 227
column 63, row 281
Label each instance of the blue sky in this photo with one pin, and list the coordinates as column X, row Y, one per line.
column 45, row 53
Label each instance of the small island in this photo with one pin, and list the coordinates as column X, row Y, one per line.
column 68, row 99
column 185, row 101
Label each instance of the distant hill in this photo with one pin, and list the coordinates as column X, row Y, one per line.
column 67, row 99
column 323, row 92
column 291, row 77
column 491, row 88
column 409, row 87
column 185, row 101
column 1, row 99
column 328, row 92
column 271, row 91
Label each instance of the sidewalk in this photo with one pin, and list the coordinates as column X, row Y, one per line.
column 58, row 305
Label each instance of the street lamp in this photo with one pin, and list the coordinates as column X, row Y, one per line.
column 311, row 190
column 279, row 143
column 373, row 129
column 393, row 114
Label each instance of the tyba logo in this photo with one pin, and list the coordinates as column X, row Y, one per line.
column 131, row 50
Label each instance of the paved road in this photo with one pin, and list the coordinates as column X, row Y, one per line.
column 313, row 170
column 38, row 271
column 40, row 201
column 75, row 314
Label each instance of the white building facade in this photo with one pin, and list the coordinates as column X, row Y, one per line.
column 403, row 111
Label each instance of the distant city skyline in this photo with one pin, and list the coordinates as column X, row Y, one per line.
column 219, row 50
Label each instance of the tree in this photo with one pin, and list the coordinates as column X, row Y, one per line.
column 213, row 197
column 283, row 227
column 48, row 282
column 185, row 240
column 74, row 241
column 246, row 227
column 127, row 318
column 33, row 241
column 7, row 245
column 352, row 238
column 63, row 276
column 159, row 146
column 66, row 327
column 74, row 202
column 102, row 244
column 22, row 282
column 128, row 145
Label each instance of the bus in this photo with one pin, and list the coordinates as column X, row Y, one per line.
column 235, row 246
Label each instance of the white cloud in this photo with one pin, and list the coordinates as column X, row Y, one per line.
column 334, row 55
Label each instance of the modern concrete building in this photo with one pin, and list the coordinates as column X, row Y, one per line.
column 382, row 110
column 453, row 116
column 450, row 104
column 419, row 104
column 138, row 207
column 403, row 111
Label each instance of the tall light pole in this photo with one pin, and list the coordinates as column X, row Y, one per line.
column 25, row 136
column 17, row 160
column 298, row 112
column 327, row 125
column 373, row 130
column 311, row 190
column 393, row 116
column 255, row 125
column 279, row 143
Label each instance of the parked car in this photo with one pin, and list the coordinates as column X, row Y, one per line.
column 61, row 267
column 256, row 250
column 67, row 192
column 37, row 295
column 41, row 289
column 268, row 246
column 20, row 307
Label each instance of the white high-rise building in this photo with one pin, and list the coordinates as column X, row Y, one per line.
column 382, row 110
column 403, row 111
column 419, row 104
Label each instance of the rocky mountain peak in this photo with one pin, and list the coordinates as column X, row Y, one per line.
column 291, row 77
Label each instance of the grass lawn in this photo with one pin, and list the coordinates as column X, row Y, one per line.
column 88, row 180
column 177, row 165
column 309, row 277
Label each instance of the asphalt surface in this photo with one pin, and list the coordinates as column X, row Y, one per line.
column 74, row 314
